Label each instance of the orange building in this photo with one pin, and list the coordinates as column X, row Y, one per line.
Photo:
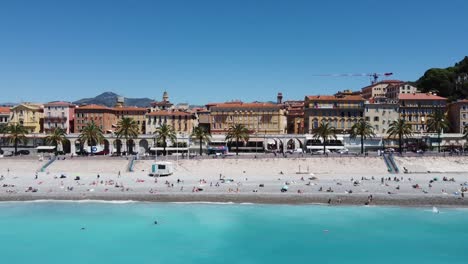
column 136, row 113
column 103, row 116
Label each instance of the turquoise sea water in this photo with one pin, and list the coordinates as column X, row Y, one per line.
column 208, row 233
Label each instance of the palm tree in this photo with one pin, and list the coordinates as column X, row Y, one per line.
column 163, row 133
column 325, row 132
column 437, row 122
column 127, row 128
column 362, row 129
column 16, row 134
column 401, row 129
column 465, row 132
column 3, row 131
column 238, row 133
column 56, row 137
column 202, row 135
column 91, row 134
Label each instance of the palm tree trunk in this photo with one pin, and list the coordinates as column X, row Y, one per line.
column 362, row 144
column 324, row 146
column 399, row 144
column 438, row 140
column 16, row 146
column 201, row 151
column 237, row 146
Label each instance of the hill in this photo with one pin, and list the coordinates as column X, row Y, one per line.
column 109, row 99
column 451, row 82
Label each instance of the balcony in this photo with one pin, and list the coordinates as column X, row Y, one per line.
column 55, row 119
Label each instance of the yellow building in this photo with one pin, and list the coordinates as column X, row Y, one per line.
column 340, row 111
column 136, row 113
column 28, row 115
column 182, row 122
column 259, row 118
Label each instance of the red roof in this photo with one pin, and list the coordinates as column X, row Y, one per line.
column 93, row 107
column 5, row 110
column 420, row 96
column 130, row 108
column 246, row 105
column 169, row 113
column 59, row 103
column 335, row 98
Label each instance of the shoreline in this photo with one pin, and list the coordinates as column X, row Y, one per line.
column 278, row 199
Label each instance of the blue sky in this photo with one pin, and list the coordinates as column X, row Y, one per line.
column 209, row 51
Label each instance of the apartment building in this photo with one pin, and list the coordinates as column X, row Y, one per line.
column 378, row 89
column 136, row 113
column 259, row 118
column 59, row 115
column 380, row 115
column 458, row 115
column 341, row 111
column 104, row 117
column 182, row 122
column 415, row 108
column 4, row 115
column 394, row 90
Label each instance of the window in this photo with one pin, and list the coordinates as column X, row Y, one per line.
column 376, row 118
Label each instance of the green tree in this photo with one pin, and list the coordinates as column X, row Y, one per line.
column 399, row 128
column 3, row 131
column 91, row 134
column 56, row 137
column 163, row 133
column 202, row 135
column 127, row 128
column 16, row 133
column 324, row 132
column 362, row 129
column 237, row 133
column 438, row 122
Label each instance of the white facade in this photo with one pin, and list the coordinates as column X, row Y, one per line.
column 380, row 116
column 58, row 115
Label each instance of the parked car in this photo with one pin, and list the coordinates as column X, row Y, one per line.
column 389, row 150
column 7, row 153
column 343, row 151
column 23, row 152
column 320, row 152
column 292, row 151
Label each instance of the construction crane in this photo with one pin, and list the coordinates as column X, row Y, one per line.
column 374, row 77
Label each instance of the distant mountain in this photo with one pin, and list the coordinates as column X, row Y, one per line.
column 109, row 99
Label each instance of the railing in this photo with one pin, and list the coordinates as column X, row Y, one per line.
column 389, row 165
column 393, row 163
column 131, row 164
column 43, row 168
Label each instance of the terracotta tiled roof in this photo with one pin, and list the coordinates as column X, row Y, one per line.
column 242, row 105
column 59, row 103
column 169, row 113
column 335, row 98
column 420, row 96
column 4, row 110
column 129, row 108
column 93, row 107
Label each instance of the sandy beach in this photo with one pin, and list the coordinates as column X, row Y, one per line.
column 338, row 180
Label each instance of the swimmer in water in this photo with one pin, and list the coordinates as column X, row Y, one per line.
column 83, row 228
column 155, row 222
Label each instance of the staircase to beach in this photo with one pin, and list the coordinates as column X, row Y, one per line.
column 43, row 168
column 390, row 162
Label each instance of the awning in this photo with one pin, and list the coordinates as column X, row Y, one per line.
column 45, row 148
column 169, row 149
